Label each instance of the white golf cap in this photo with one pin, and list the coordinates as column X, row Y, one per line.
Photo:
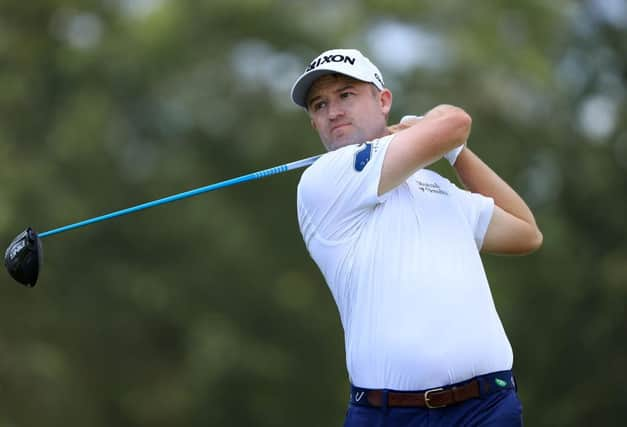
column 349, row 62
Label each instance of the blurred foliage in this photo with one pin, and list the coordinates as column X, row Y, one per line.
column 209, row 311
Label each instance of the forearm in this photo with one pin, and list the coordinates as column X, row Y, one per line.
column 480, row 178
column 421, row 142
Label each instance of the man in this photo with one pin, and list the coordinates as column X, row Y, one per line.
column 398, row 246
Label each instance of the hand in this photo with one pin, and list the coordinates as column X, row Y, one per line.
column 405, row 123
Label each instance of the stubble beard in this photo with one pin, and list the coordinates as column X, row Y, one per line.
column 356, row 136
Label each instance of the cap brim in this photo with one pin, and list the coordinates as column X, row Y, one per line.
column 301, row 88
column 303, row 84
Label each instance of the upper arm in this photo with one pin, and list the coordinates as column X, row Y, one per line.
column 441, row 130
column 336, row 192
column 508, row 234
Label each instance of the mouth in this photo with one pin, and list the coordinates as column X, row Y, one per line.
column 340, row 126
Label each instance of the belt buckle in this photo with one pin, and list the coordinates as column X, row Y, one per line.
column 427, row 399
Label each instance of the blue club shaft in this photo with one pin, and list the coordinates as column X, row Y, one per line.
column 191, row 193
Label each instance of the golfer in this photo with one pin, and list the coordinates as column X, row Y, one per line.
column 399, row 247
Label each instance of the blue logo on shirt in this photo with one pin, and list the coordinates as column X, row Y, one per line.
column 362, row 157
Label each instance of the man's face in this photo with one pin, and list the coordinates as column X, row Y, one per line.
column 346, row 111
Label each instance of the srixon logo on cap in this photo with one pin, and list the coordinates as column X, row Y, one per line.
column 330, row 59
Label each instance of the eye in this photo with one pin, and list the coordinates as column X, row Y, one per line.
column 344, row 95
column 318, row 105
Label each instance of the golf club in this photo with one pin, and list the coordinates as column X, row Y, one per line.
column 23, row 258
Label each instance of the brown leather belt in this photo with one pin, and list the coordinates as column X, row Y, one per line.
column 434, row 398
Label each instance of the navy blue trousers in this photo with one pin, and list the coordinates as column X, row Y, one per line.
column 499, row 409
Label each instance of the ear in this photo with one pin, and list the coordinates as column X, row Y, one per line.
column 385, row 101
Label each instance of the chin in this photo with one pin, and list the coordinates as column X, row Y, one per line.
column 334, row 145
column 330, row 146
column 344, row 140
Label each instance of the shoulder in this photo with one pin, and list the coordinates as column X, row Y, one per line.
column 320, row 170
column 431, row 181
column 427, row 175
column 345, row 160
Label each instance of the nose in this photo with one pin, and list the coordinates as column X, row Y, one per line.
column 335, row 110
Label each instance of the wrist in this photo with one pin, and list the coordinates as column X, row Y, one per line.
column 452, row 155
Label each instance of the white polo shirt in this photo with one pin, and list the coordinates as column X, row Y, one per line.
column 404, row 270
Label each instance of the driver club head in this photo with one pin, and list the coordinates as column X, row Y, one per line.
column 24, row 257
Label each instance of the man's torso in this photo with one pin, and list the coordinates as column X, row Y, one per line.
column 405, row 272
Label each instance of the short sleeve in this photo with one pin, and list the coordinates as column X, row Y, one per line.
column 337, row 192
column 477, row 210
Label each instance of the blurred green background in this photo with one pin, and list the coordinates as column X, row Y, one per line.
column 209, row 312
